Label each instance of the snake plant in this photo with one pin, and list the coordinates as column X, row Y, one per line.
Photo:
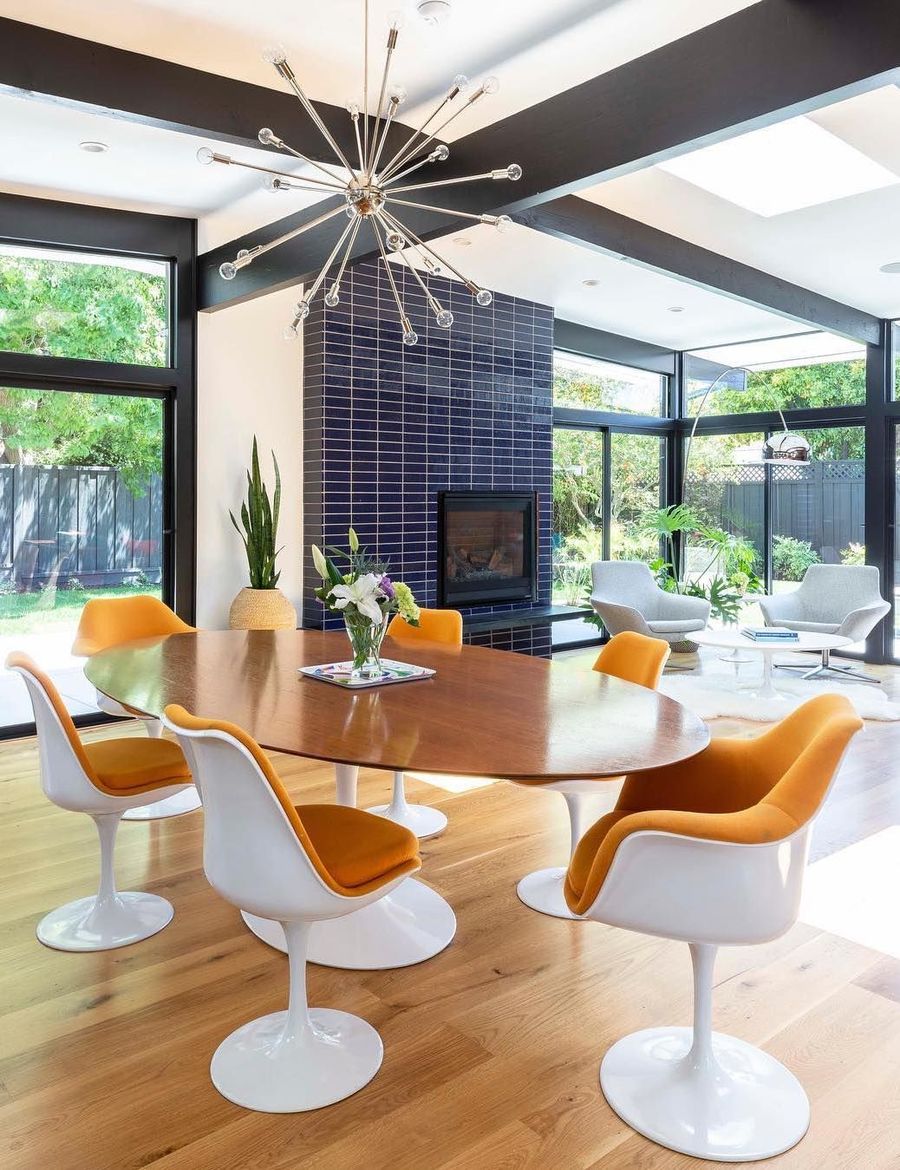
column 259, row 525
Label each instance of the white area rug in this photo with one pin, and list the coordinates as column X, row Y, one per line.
column 853, row 892
column 719, row 695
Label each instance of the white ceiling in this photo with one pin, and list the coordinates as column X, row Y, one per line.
column 627, row 299
column 536, row 47
column 834, row 248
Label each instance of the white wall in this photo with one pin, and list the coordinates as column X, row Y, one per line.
column 249, row 382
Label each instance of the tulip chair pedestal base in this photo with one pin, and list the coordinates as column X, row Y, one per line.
column 102, row 924
column 736, row 1105
column 420, row 819
column 543, row 891
column 330, row 1057
column 411, row 924
column 173, row 806
column 425, row 822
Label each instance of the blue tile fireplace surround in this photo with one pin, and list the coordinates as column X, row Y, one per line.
column 388, row 426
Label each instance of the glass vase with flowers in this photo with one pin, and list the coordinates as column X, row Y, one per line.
column 365, row 596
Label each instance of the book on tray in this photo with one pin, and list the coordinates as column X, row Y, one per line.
column 770, row 634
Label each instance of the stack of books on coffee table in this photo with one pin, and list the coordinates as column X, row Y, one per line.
column 770, row 634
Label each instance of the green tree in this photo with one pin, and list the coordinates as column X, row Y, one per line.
column 93, row 311
column 815, row 386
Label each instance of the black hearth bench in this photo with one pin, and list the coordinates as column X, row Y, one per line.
column 539, row 615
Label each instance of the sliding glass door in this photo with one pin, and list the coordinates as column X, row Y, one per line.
column 96, row 411
column 606, row 484
column 83, row 487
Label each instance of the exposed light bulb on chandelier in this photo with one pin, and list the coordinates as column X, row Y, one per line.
column 369, row 192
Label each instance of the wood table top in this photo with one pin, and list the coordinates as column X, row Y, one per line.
column 484, row 713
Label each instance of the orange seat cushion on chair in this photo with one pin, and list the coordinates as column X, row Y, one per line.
column 368, row 851
column 738, row 791
column 122, row 767
column 357, row 848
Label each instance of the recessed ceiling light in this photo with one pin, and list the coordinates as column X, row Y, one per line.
column 676, row 309
column 781, row 168
column 462, row 241
column 433, row 11
column 892, row 269
column 94, row 147
column 592, row 283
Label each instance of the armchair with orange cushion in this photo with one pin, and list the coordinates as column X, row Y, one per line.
column 299, row 865
column 113, row 621
column 636, row 659
column 105, row 780
column 435, row 625
column 712, row 852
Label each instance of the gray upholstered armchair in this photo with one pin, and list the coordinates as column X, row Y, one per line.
column 844, row 600
column 626, row 597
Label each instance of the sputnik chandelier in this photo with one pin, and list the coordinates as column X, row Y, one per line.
column 368, row 193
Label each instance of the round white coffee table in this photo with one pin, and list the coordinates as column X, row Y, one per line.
column 735, row 640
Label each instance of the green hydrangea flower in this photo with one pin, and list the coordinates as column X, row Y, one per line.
column 406, row 603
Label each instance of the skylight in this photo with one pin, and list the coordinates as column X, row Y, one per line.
column 781, row 168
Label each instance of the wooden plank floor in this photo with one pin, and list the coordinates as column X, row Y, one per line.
column 491, row 1049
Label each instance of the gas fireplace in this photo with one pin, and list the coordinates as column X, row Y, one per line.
column 487, row 547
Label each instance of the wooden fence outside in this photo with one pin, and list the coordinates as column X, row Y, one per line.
column 822, row 502
column 57, row 523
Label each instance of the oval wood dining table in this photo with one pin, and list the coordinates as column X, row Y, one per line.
column 484, row 713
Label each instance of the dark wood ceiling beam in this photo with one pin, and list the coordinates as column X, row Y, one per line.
column 578, row 221
column 769, row 61
column 52, row 66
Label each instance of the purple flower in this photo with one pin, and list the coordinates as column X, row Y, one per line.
column 387, row 587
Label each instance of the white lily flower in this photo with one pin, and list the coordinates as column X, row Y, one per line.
column 319, row 561
column 363, row 593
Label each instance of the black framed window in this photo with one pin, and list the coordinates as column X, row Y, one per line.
column 97, row 424
column 611, row 454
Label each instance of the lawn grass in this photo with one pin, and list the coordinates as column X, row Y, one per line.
column 54, row 609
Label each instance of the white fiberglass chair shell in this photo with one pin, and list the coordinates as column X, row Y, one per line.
column 626, row 596
column 435, row 625
column 296, row 865
column 112, row 621
column 103, row 780
column 636, row 659
column 712, row 852
column 844, row 600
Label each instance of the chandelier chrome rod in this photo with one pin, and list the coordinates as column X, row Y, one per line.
column 317, row 283
column 488, row 219
column 336, row 283
column 391, row 191
column 298, row 231
column 409, row 170
column 268, row 138
column 429, row 295
column 289, row 76
column 391, row 45
column 404, row 320
column 248, row 166
column 354, row 118
column 434, row 133
column 391, row 165
column 365, row 153
column 393, row 106
column 405, row 231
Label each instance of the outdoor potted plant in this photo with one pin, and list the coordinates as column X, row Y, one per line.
column 261, row 605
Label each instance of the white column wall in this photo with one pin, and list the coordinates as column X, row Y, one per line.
column 249, row 382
